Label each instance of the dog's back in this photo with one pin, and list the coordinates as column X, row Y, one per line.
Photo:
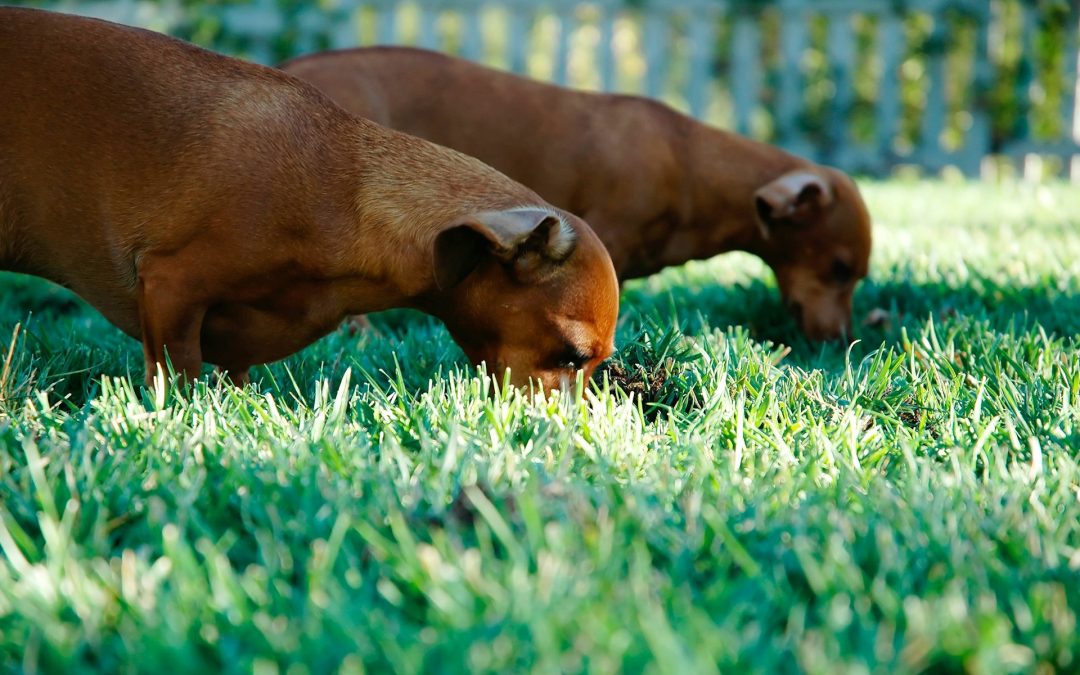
column 449, row 101
column 401, row 87
column 566, row 144
column 113, row 152
column 60, row 123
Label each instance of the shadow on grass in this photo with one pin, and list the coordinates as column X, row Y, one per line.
column 72, row 346
column 882, row 312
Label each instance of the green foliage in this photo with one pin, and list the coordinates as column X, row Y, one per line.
column 717, row 501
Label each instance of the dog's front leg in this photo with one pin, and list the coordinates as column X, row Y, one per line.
column 171, row 320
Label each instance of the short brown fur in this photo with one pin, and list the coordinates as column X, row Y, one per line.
column 223, row 211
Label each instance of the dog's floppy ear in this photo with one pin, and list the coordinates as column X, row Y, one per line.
column 529, row 239
column 796, row 198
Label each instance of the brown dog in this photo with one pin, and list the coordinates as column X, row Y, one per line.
column 657, row 186
column 227, row 212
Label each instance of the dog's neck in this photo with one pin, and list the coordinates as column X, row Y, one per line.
column 395, row 194
column 721, row 172
column 378, row 251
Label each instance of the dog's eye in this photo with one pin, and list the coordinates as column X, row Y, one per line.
column 572, row 359
column 841, row 272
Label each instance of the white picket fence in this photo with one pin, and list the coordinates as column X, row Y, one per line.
column 866, row 85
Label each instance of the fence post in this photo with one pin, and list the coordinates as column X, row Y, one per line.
column 887, row 115
column 841, row 55
column 655, row 33
column 344, row 29
column 933, row 116
column 427, row 37
column 517, row 41
column 1070, row 113
column 702, row 50
column 472, row 39
column 745, row 68
column 978, row 138
column 567, row 27
column 605, row 48
column 387, row 29
column 794, row 38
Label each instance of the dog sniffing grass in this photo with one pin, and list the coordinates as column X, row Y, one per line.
column 759, row 503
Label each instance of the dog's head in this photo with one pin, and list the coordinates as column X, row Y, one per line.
column 816, row 232
column 530, row 289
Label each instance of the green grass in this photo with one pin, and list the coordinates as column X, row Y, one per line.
column 911, row 504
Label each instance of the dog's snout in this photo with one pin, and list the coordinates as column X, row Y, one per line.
column 821, row 321
column 830, row 332
column 842, row 335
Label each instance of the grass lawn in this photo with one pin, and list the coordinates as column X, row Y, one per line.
column 732, row 499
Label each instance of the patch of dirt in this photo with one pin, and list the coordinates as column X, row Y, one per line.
column 647, row 386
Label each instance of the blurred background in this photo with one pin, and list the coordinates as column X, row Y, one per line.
column 979, row 87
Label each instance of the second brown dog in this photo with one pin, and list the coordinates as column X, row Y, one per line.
column 658, row 187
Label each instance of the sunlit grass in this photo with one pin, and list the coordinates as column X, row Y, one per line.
column 722, row 498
